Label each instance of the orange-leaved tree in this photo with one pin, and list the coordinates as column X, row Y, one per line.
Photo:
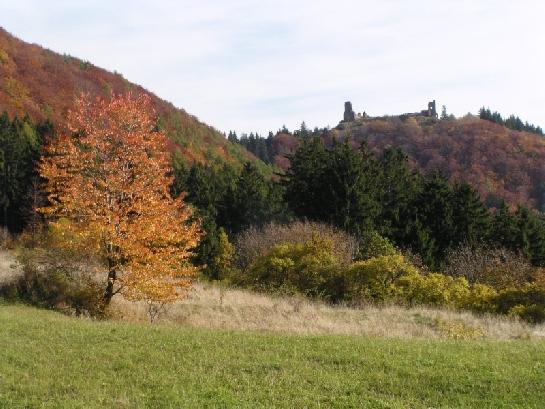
column 107, row 181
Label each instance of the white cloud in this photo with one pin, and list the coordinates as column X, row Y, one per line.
column 255, row 65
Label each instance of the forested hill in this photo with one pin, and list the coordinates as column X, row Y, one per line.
column 43, row 84
column 499, row 162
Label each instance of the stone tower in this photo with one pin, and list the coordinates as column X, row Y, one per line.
column 431, row 109
column 349, row 115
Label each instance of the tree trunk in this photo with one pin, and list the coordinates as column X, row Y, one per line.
column 5, row 216
column 109, row 293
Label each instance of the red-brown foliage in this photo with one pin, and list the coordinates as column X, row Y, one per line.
column 45, row 85
column 500, row 163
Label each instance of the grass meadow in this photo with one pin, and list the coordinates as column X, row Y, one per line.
column 49, row 360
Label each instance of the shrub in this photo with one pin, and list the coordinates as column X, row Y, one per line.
column 374, row 278
column 433, row 289
column 481, row 298
column 219, row 254
column 54, row 278
column 527, row 302
column 257, row 242
column 310, row 268
column 395, row 279
column 225, row 255
column 498, row 267
column 532, row 313
column 373, row 245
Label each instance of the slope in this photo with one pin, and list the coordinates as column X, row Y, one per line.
column 43, row 84
column 113, row 364
column 500, row 163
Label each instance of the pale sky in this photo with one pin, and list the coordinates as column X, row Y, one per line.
column 252, row 65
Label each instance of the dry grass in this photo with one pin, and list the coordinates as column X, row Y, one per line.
column 209, row 306
column 7, row 272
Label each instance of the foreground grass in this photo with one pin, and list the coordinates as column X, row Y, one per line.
column 48, row 360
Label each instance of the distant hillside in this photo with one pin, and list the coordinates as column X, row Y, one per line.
column 501, row 163
column 43, row 84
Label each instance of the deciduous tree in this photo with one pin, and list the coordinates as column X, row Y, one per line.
column 108, row 182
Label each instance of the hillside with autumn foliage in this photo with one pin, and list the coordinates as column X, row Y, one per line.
column 501, row 163
column 44, row 85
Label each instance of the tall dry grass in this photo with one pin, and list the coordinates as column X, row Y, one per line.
column 8, row 267
column 210, row 306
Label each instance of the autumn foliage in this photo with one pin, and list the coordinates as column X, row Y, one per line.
column 107, row 181
column 41, row 83
column 502, row 164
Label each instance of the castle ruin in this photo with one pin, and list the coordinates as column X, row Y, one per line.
column 431, row 112
column 350, row 116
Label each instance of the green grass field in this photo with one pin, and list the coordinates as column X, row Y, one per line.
column 48, row 360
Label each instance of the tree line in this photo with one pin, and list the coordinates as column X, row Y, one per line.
column 20, row 142
column 511, row 122
column 265, row 148
column 363, row 194
column 354, row 189
column 259, row 146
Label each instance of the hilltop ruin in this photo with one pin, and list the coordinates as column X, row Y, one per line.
column 350, row 115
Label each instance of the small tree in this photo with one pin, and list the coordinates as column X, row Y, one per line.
column 223, row 259
column 108, row 182
column 444, row 114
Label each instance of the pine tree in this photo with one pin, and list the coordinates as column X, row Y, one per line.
column 303, row 180
column 471, row 221
column 399, row 186
column 434, row 218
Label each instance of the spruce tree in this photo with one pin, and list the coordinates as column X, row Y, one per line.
column 504, row 228
column 251, row 201
column 19, row 151
column 471, row 221
column 398, row 188
column 303, row 181
column 350, row 188
column 435, row 218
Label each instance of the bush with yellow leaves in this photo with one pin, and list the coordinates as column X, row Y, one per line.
column 526, row 302
column 432, row 289
column 309, row 268
column 375, row 278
